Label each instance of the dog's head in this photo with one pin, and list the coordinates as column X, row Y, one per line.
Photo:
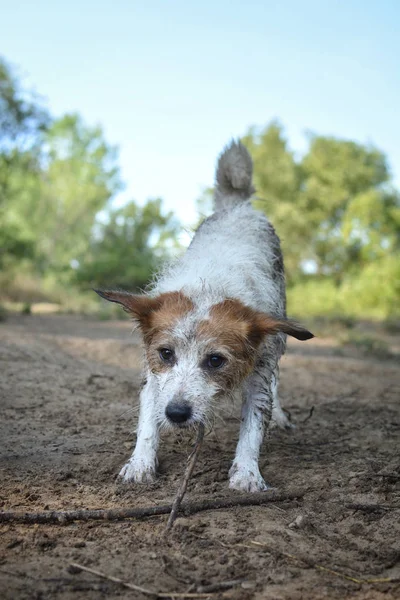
column 197, row 356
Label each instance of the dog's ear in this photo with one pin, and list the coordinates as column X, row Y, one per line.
column 268, row 325
column 150, row 313
column 138, row 306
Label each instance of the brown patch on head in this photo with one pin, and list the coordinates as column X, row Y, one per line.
column 239, row 331
column 255, row 325
column 228, row 331
column 172, row 306
column 155, row 317
column 152, row 314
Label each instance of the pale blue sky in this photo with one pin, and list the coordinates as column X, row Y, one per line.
column 171, row 82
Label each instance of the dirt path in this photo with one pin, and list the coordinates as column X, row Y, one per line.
column 66, row 386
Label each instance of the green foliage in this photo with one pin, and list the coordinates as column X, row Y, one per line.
column 336, row 211
column 26, row 309
column 129, row 246
column 23, row 121
column 372, row 293
column 277, row 179
column 81, row 177
column 314, row 297
column 57, row 182
column 22, row 115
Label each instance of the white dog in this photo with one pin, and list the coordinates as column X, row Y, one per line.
column 214, row 323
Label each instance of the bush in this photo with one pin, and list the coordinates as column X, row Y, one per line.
column 374, row 293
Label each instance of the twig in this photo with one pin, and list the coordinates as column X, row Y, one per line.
column 370, row 508
column 309, row 415
column 119, row 514
column 189, row 470
column 312, row 564
column 138, row 588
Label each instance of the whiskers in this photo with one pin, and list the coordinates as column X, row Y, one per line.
column 129, row 411
column 221, row 410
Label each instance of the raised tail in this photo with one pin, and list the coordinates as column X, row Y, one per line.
column 233, row 177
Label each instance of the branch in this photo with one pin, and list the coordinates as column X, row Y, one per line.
column 189, row 470
column 119, row 514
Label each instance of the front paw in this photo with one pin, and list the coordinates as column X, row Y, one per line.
column 137, row 471
column 246, row 479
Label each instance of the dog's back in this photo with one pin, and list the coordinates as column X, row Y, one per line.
column 235, row 252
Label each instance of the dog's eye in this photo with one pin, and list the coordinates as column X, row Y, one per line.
column 166, row 354
column 215, row 361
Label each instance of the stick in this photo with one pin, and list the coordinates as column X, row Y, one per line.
column 138, row 588
column 310, row 414
column 189, row 470
column 119, row 514
column 370, row 507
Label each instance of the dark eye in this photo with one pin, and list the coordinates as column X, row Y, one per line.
column 215, row 361
column 166, row 354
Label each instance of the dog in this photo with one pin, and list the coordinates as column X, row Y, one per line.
column 214, row 324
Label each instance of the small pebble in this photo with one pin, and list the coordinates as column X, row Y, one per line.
column 183, row 523
column 297, row 523
column 247, row 585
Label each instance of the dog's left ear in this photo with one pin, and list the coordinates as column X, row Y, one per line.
column 268, row 325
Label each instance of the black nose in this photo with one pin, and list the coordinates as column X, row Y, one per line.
column 178, row 413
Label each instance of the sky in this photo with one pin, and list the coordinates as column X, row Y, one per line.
column 171, row 82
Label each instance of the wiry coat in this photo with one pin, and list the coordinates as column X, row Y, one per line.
column 214, row 322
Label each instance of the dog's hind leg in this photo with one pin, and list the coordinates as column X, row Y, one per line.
column 278, row 417
column 256, row 414
column 141, row 466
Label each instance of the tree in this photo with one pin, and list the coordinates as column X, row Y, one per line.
column 79, row 178
column 22, row 114
column 277, row 179
column 23, row 121
column 350, row 207
column 334, row 209
column 129, row 247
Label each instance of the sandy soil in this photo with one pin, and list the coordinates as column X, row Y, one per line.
column 68, row 385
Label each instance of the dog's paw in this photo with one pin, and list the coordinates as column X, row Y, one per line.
column 280, row 420
column 246, row 479
column 137, row 471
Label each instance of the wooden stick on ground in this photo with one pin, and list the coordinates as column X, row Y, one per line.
column 119, row 514
column 138, row 588
column 189, row 470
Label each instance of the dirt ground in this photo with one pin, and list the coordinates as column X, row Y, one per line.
column 68, row 386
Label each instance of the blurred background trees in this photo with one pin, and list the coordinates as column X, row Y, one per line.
column 58, row 179
column 129, row 246
column 335, row 209
column 338, row 216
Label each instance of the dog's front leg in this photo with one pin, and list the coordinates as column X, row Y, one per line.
column 256, row 413
column 141, row 467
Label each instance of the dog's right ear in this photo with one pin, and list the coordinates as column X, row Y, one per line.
column 140, row 307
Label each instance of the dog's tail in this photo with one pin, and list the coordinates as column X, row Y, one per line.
column 233, row 177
